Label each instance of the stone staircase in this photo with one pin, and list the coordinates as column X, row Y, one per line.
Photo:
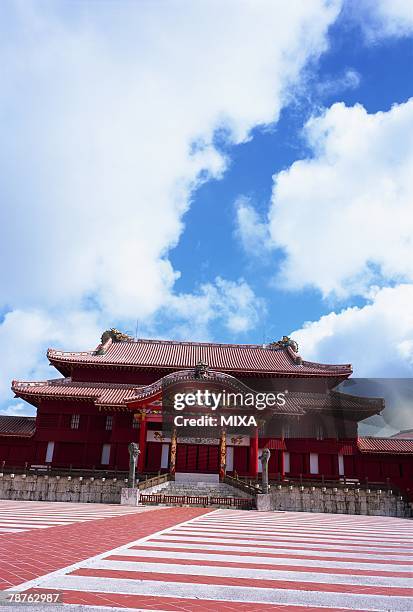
column 203, row 489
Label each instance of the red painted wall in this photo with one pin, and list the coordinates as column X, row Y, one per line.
column 16, row 451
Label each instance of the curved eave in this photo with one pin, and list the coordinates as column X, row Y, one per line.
column 154, row 390
column 22, row 390
column 102, row 395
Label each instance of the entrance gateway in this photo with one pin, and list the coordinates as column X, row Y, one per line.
column 200, row 455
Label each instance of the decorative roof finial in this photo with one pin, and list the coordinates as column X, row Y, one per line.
column 285, row 342
column 201, row 369
column 115, row 335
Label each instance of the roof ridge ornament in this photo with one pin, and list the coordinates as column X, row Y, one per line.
column 109, row 336
column 201, row 369
column 285, row 342
column 115, row 335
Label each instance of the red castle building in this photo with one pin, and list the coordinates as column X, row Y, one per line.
column 111, row 396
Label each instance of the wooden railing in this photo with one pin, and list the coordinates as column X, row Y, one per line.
column 148, row 483
column 247, row 486
column 198, row 500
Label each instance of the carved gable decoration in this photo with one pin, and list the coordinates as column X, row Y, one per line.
column 201, row 370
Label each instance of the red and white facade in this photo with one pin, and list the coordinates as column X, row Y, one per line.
column 111, row 396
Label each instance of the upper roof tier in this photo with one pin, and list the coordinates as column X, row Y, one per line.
column 118, row 350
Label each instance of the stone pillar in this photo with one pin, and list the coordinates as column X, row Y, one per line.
column 134, row 452
column 265, row 457
column 222, row 454
column 142, row 443
column 254, row 454
column 172, row 461
column 129, row 496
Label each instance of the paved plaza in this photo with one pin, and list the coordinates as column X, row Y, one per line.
column 194, row 559
column 24, row 516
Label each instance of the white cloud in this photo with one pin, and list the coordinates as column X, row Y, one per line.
column 232, row 304
column 350, row 79
column 250, row 228
column 344, row 218
column 19, row 409
column 100, row 111
column 107, row 127
column 377, row 338
column 26, row 334
column 383, row 18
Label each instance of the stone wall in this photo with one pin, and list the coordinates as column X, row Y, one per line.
column 61, row 488
column 333, row 500
column 297, row 499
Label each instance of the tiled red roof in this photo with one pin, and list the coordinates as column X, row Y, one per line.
column 117, row 394
column 157, row 389
column 395, row 446
column 171, row 355
column 104, row 394
column 17, row 426
column 336, row 401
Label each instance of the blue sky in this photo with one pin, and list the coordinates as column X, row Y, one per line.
column 215, row 171
column 385, row 75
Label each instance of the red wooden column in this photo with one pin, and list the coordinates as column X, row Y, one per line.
column 172, row 454
column 142, row 443
column 222, row 454
column 254, row 454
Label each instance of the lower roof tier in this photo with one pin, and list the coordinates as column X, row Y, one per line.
column 132, row 397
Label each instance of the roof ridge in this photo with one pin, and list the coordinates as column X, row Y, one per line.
column 196, row 343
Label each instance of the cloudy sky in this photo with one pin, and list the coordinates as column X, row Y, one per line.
column 230, row 171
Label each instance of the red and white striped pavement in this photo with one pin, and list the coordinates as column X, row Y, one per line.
column 17, row 516
column 238, row 560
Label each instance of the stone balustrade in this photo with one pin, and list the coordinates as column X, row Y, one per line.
column 298, row 498
column 61, row 488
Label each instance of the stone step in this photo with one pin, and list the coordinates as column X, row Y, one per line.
column 193, row 490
